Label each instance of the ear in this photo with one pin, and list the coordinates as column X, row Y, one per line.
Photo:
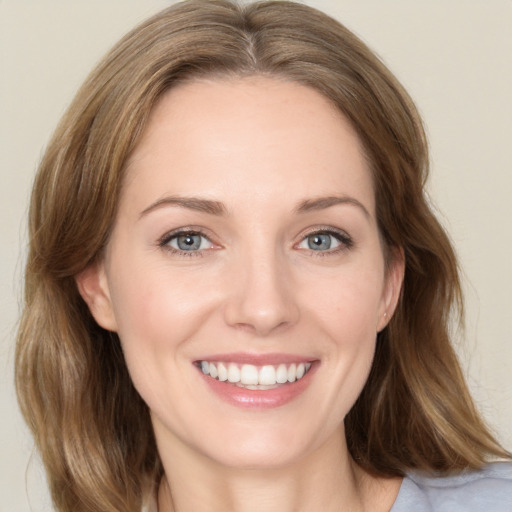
column 394, row 279
column 93, row 287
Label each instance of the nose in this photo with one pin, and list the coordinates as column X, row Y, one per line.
column 261, row 299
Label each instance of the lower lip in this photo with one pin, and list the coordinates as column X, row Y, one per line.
column 259, row 398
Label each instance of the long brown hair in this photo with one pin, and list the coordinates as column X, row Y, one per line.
column 90, row 425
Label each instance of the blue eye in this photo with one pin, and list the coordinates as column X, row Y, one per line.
column 325, row 241
column 187, row 242
column 321, row 242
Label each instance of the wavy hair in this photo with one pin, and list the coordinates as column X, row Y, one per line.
column 91, row 427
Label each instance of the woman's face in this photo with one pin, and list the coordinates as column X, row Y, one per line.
column 246, row 247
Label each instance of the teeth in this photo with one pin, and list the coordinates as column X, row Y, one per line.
column 223, row 372
column 213, row 371
column 267, row 375
column 233, row 373
column 258, row 387
column 249, row 375
column 292, row 373
column 255, row 377
column 282, row 374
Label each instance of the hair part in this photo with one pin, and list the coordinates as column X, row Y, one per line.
column 92, row 428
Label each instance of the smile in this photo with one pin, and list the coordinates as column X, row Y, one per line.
column 255, row 377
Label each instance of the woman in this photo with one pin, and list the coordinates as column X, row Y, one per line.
column 237, row 297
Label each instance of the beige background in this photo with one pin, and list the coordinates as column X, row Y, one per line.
column 455, row 58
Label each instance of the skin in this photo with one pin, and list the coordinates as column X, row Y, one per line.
column 260, row 148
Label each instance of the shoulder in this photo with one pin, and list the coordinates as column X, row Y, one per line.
column 488, row 489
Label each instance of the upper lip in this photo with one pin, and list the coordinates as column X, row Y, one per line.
column 257, row 359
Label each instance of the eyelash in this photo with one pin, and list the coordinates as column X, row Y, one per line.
column 346, row 242
column 165, row 240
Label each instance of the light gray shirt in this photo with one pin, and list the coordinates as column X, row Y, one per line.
column 486, row 490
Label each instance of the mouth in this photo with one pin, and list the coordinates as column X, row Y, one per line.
column 254, row 377
column 257, row 382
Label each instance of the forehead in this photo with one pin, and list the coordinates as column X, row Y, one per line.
column 252, row 137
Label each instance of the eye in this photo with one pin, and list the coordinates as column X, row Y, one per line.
column 186, row 241
column 319, row 242
column 326, row 241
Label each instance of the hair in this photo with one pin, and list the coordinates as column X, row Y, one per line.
column 90, row 425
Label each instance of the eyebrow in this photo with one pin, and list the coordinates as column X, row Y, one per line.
column 218, row 208
column 321, row 203
column 191, row 203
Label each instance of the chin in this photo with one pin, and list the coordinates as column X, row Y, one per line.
column 271, row 446
column 264, row 453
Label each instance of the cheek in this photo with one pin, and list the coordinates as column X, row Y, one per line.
column 150, row 331
column 155, row 304
column 349, row 302
column 159, row 312
column 354, row 331
column 348, row 315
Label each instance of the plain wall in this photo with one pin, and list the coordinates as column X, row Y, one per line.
column 454, row 57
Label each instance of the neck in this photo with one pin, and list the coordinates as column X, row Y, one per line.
column 326, row 480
